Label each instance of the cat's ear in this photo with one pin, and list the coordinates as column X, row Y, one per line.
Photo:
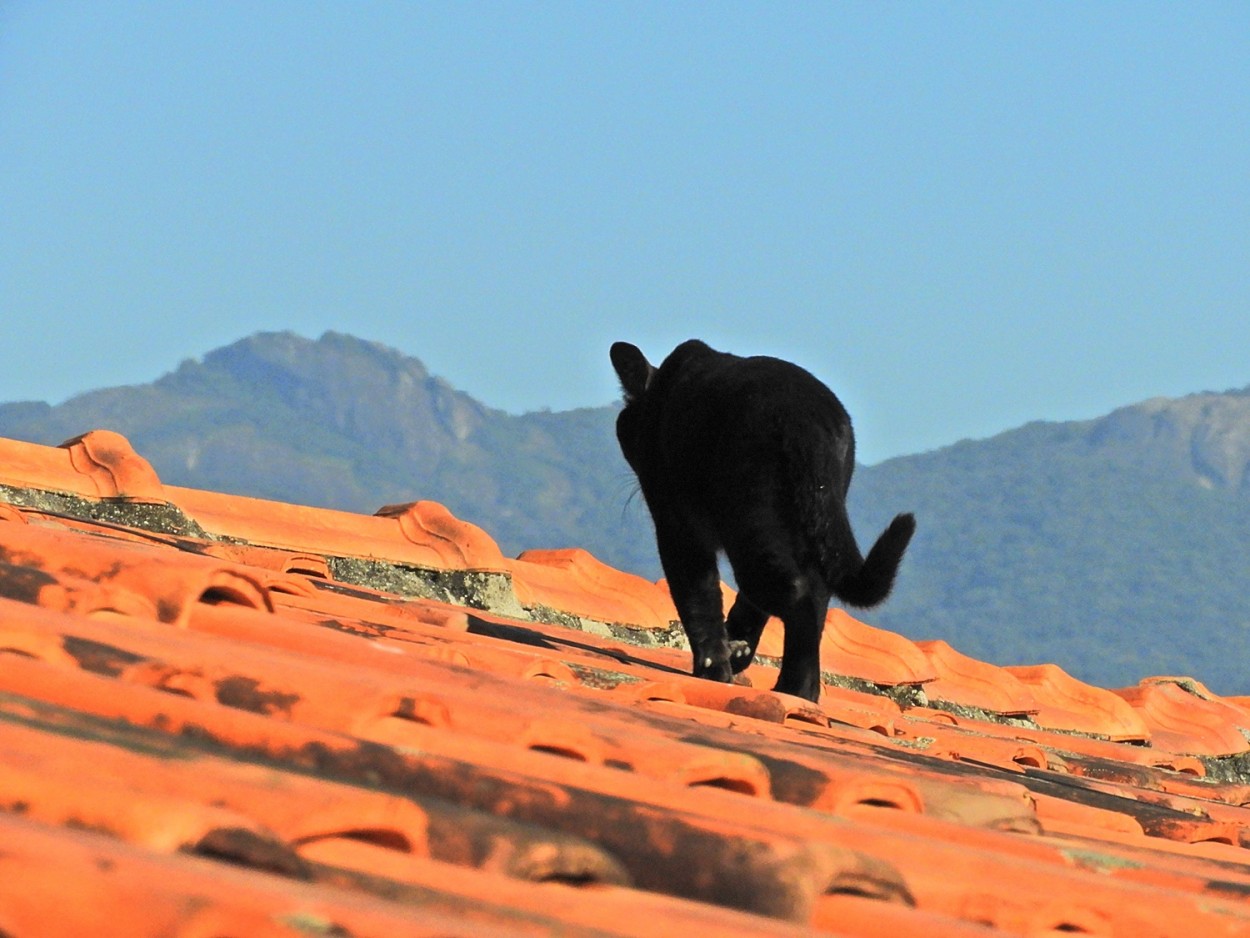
column 632, row 368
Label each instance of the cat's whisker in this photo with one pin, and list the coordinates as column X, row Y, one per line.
column 628, row 485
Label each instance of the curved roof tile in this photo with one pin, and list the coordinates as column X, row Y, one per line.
column 299, row 721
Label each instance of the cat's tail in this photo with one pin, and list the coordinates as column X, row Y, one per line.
column 874, row 579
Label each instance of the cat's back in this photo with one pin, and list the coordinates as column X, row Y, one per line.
column 717, row 416
column 760, row 387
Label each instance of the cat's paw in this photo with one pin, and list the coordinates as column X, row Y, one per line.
column 713, row 670
column 805, row 685
column 740, row 655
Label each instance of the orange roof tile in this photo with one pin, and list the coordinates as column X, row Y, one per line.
column 298, row 721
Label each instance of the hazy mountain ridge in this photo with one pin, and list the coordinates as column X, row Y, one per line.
column 344, row 423
column 1116, row 547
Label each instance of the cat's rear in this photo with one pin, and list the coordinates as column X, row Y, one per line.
column 752, row 456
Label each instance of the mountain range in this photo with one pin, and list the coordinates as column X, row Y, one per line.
column 1116, row 547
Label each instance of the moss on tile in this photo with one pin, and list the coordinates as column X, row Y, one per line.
column 306, row 923
column 1231, row 770
column 549, row 616
column 601, row 678
column 485, row 590
column 1099, row 862
column 905, row 695
column 984, row 716
column 671, row 637
column 157, row 517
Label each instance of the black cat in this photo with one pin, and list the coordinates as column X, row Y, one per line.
column 753, row 457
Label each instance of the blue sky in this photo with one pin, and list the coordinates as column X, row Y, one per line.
column 961, row 216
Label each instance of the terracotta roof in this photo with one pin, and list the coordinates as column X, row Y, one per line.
column 221, row 716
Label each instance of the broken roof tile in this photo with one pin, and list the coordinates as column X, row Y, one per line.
column 304, row 721
column 1069, row 704
column 573, row 581
column 1181, row 720
column 966, row 682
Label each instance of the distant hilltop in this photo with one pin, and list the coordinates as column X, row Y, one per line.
column 1205, row 434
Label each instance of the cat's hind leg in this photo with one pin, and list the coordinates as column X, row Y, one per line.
column 778, row 584
column 744, row 626
column 769, row 582
column 800, row 662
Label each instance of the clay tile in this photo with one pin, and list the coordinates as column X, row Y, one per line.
column 853, row 648
column 170, row 582
column 115, row 469
column 850, row 913
column 429, row 524
column 61, row 883
column 169, row 679
column 158, row 820
column 666, row 691
column 63, row 593
column 1185, row 722
column 444, row 654
column 1236, row 708
column 11, row 513
column 32, row 632
column 858, row 796
column 859, row 708
column 971, row 683
column 574, row 581
column 1069, row 704
column 565, row 738
column 1181, row 764
column 292, row 585
column 1068, row 814
column 1238, row 700
column 48, row 468
column 732, row 771
column 383, row 822
column 306, row 564
column 546, row 668
column 1066, row 915
column 737, row 700
column 455, row 620
column 231, row 587
column 1031, row 757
